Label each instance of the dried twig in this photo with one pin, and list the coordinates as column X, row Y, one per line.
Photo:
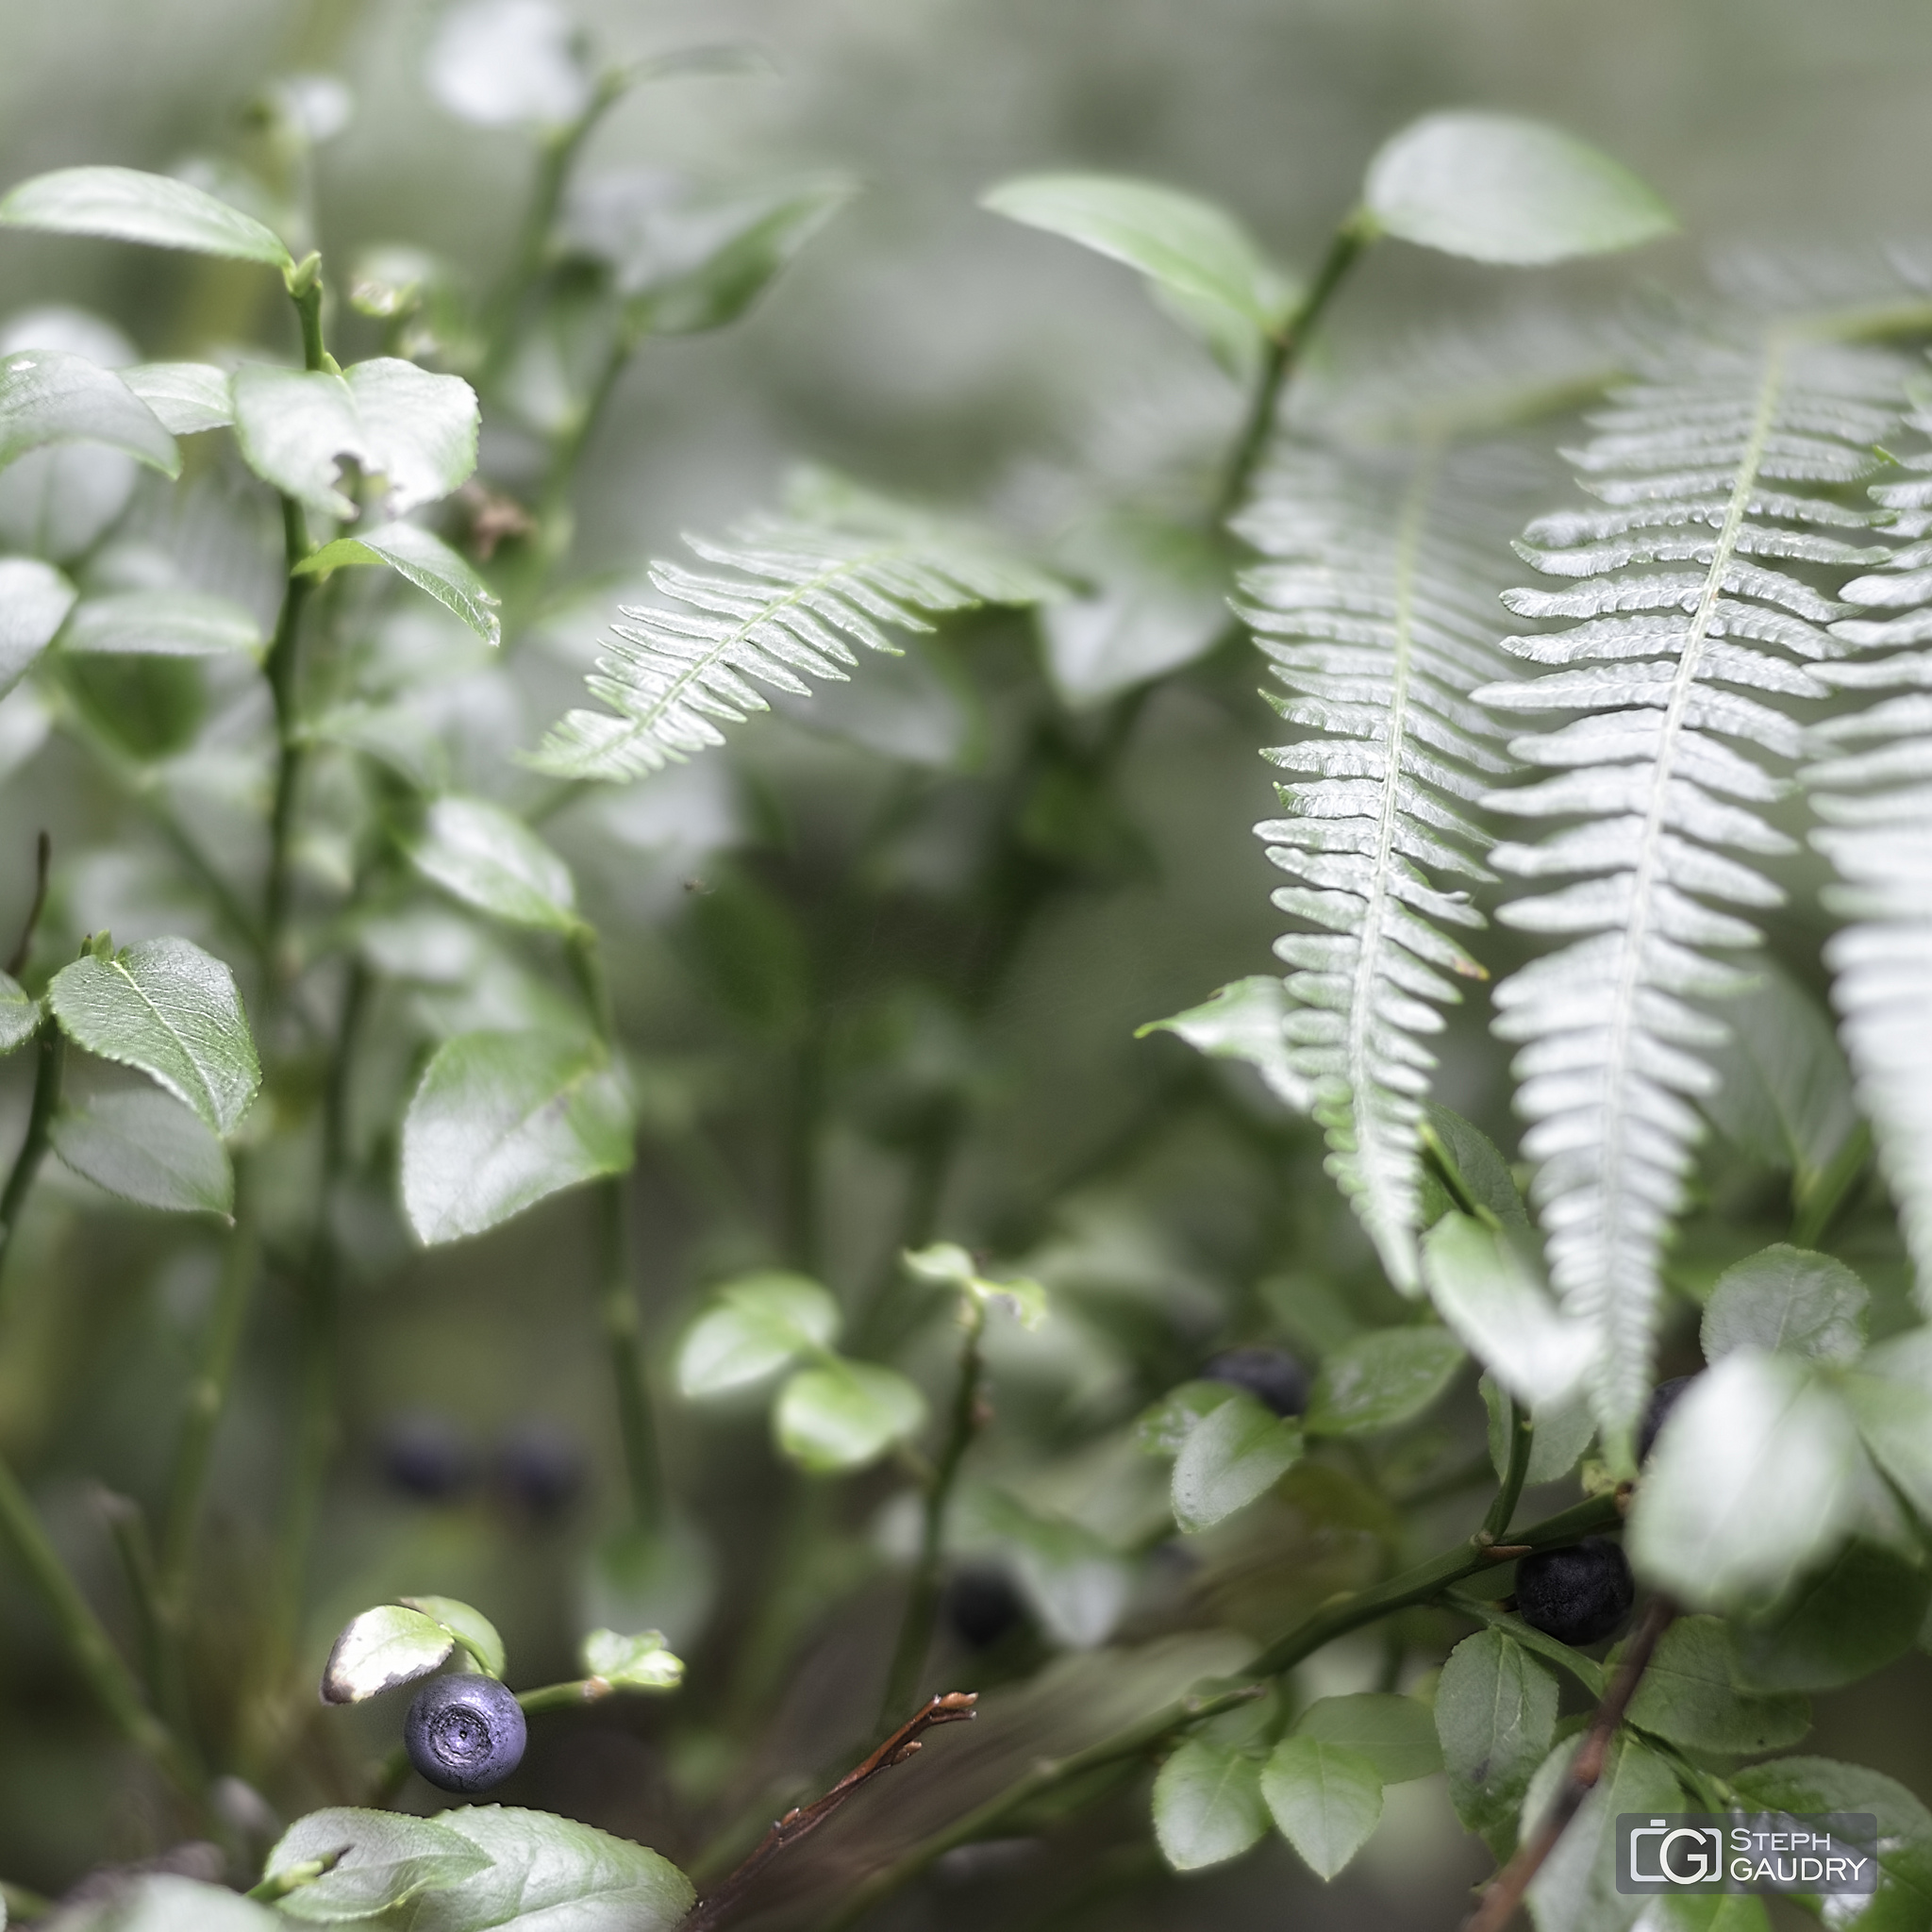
column 1504, row 1891
column 801, row 1821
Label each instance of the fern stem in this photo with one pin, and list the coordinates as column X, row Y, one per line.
column 1280, row 358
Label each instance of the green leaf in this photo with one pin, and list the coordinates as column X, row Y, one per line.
column 1576, row 1888
column 48, row 397
column 1396, row 1735
column 1786, row 1093
column 34, row 602
column 1891, row 1397
column 170, row 1009
column 1562, row 1433
column 841, row 1415
column 186, row 398
column 163, row 624
column 1488, row 1284
column 20, row 1012
column 1325, row 1800
column 1243, row 1022
column 549, row 1875
column 1231, row 1458
column 1836, row 1625
column 159, row 1901
column 380, row 1649
column 1748, row 1487
column 427, row 561
column 1207, row 1805
column 763, row 1322
column 683, row 263
column 1688, row 1696
column 129, row 206
column 147, row 1147
column 415, row 430
column 1476, row 1162
column 949, row 1263
column 1499, row 188
column 380, row 1859
column 470, row 1627
column 507, row 63
column 1180, row 242
column 489, row 858
column 633, row 1663
column 1382, row 1379
column 1496, row 1718
column 1790, row 1300
column 1164, row 1425
column 500, row 1121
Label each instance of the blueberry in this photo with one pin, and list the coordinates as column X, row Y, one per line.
column 538, row 1468
column 1663, row 1398
column 464, row 1733
column 1270, row 1375
column 1576, row 1594
column 982, row 1606
column 426, row 1458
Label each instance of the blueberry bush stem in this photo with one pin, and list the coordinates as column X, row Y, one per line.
column 1522, row 1439
column 50, row 1051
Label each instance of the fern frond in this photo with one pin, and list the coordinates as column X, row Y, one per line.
column 1376, row 610
column 1871, row 786
column 1731, row 462
column 785, row 600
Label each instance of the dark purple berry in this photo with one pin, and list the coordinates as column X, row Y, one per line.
column 1271, row 1376
column 464, row 1733
column 1576, row 1594
column 538, row 1468
column 1663, row 1398
column 426, row 1458
column 982, row 1606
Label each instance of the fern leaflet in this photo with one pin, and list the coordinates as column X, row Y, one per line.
column 785, row 600
column 1376, row 610
column 1724, row 460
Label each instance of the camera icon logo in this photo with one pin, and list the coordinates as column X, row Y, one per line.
column 1667, row 1853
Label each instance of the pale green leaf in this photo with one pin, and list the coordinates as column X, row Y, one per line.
column 20, row 1014
column 1232, row 1456
column 948, row 1262
column 1396, row 1735
column 1488, row 1284
column 415, row 430
column 144, row 1146
column 163, row 624
column 489, row 858
column 1207, row 1805
column 841, row 1415
column 129, row 206
column 1243, row 1022
column 507, row 63
column 1500, row 188
column 380, row 1649
column 48, row 397
column 34, row 602
column 1165, row 1424
column 1475, row 1161
column 1382, row 1379
column 380, row 1859
column 161, row 1902
column 1575, row 1890
column 170, row 1009
column 1496, row 1719
column 427, row 561
column 1790, row 1300
column 1562, row 1433
column 1176, row 239
column 1688, row 1696
column 549, row 1875
column 186, row 398
column 633, row 1663
column 1836, row 1625
column 470, row 1627
column 1749, row 1485
column 1325, row 1800
column 502, row 1119
column 762, row 1322
column 1891, row 1397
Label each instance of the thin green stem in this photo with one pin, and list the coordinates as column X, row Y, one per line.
column 922, row 1599
column 159, row 1656
column 1819, row 1196
column 282, row 668
column 50, row 1053
column 618, row 1310
column 1280, row 356
column 1522, row 1435
column 93, row 1654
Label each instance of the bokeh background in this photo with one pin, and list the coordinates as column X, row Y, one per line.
column 918, row 345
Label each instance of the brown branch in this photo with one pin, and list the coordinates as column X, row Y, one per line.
column 956, row 1707
column 1504, row 1891
column 43, row 853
